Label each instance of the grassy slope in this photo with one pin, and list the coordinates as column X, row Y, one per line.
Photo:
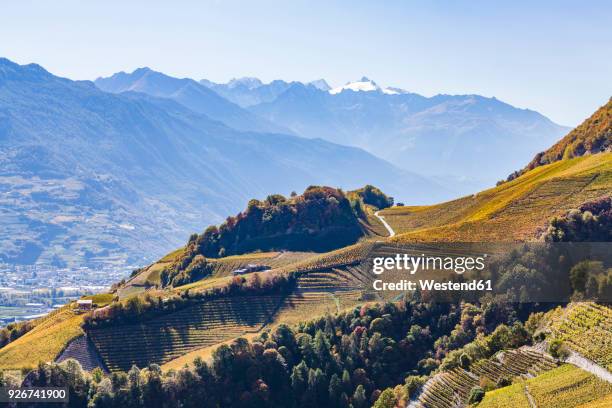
column 513, row 211
column 44, row 342
column 508, row 397
column 603, row 402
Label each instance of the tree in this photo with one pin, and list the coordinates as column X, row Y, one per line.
column 152, row 392
column 476, row 395
column 386, row 400
column 299, row 378
column 359, row 397
column 465, row 361
column 346, row 381
column 580, row 273
column 335, row 389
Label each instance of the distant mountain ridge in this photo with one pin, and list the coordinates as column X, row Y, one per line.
column 454, row 137
column 251, row 91
column 448, row 137
column 188, row 93
column 89, row 177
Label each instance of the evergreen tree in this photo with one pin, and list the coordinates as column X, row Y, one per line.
column 359, row 397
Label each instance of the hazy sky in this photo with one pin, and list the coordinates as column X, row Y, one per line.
column 551, row 56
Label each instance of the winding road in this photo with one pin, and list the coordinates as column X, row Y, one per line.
column 387, row 226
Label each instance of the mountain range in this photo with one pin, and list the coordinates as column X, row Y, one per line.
column 467, row 140
column 89, row 177
column 449, row 138
column 119, row 170
column 190, row 94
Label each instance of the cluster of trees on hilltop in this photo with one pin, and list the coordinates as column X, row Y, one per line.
column 372, row 196
column 334, row 361
column 322, row 218
column 591, row 222
column 190, row 267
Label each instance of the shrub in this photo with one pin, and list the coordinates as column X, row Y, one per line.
column 373, row 196
column 591, row 222
column 557, row 349
column 476, row 395
column 465, row 361
column 386, row 399
column 504, row 382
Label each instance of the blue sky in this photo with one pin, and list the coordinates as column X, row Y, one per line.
column 551, row 56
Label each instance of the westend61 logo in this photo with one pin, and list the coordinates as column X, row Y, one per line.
column 410, row 264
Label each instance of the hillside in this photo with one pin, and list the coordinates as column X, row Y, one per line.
column 310, row 331
column 513, row 376
column 329, row 282
column 100, row 179
column 592, row 136
column 522, row 208
column 519, row 210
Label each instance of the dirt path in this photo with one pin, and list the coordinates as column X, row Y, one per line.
column 529, row 397
column 579, row 361
column 387, row 226
column 588, row 365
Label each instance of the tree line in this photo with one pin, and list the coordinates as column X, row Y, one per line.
column 344, row 360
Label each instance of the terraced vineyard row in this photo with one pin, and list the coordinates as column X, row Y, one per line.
column 334, row 279
column 302, row 306
column 167, row 337
column 350, row 255
column 514, row 363
column 587, row 329
column 567, row 387
column 82, row 350
column 563, row 387
column 452, row 388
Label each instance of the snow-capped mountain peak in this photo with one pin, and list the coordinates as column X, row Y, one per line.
column 363, row 85
column 248, row 82
column 320, row 84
